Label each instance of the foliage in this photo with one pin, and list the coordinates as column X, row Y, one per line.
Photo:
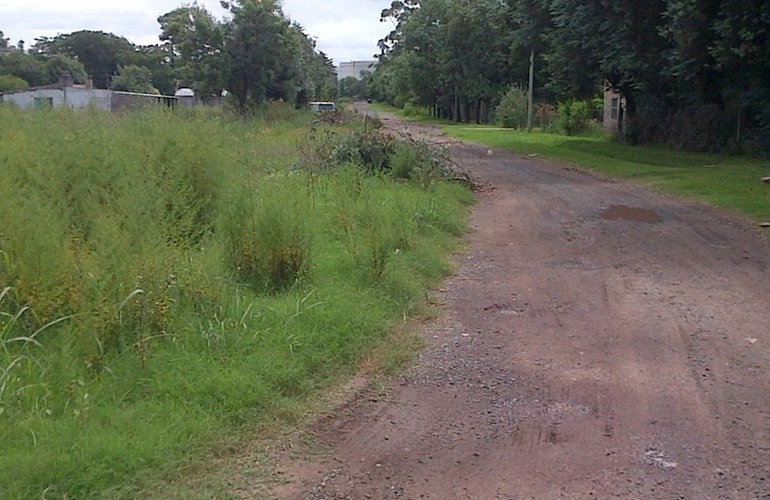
column 574, row 117
column 58, row 65
column 180, row 284
column 669, row 59
column 100, row 53
column 10, row 82
column 25, row 66
column 134, row 78
column 353, row 87
column 446, row 55
column 512, row 110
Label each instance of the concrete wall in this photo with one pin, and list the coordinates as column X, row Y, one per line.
column 355, row 69
column 613, row 101
column 77, row 98
column 128, row 100
column 68, row 96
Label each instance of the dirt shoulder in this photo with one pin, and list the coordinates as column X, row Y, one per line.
column 598, row 340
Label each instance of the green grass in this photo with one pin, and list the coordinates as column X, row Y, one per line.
column 724, row 181
column 199, row 287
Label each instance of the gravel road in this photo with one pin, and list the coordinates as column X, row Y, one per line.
column 597, row 341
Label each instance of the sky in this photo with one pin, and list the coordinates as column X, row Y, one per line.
column 346, row 30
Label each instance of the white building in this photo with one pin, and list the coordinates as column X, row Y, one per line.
column 65, row 94
column 356, row 69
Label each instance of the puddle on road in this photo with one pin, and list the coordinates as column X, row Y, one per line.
column 631, row 213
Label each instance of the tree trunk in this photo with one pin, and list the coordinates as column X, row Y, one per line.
column 531, row 92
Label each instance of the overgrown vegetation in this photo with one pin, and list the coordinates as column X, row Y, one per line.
column 168, row 280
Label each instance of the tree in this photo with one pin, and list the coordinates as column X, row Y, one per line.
column 449, row 55
column 4, row 41
column 352, row 87
column 257, row 47
column 194, row 44
column 134, row 78
column 100, row 53
column 10, row 82
column 25, row 66
column 58, row 64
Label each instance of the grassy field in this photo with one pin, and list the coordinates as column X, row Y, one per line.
column 172, row 281
column 728, row 182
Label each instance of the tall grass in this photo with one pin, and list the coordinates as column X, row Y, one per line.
column 168, row 280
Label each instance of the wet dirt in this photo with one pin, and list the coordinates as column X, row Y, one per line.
column 580, row 352
column 632, row 214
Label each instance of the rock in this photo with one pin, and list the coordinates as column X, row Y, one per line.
column 766, row 180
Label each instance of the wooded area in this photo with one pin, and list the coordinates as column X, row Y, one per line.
column 693, row 74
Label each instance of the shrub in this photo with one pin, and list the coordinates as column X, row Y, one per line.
column 267, row 244
column 512, row 110
column 574, row 117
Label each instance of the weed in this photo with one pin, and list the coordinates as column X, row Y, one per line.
column 182, row 282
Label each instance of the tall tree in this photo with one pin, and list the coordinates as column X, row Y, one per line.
column 100, row 53
column 257, row 46
column 194, row 40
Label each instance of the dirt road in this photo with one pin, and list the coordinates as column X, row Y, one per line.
column 597, row 341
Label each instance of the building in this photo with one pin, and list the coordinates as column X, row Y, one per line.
column 356, row 69
column 66, row 94
column 613, row 112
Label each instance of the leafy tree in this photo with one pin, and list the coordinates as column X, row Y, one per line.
column 100, row 53
column 449, row 55
column 157, row 58
column 4, row 41
column 134, row 78
column 25, row 66
column 257, row 45
column 194, row 44
column 10, row 82
column 352, row 87
column 58, row 64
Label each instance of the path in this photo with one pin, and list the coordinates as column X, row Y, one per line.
column 597, row 341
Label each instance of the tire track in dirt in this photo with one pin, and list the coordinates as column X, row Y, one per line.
column 576, row 356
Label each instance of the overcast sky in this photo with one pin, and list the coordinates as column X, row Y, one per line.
column 345, row 30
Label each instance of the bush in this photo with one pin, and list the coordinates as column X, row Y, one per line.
column 512, row 110
column 574, row 117
column 10, row 82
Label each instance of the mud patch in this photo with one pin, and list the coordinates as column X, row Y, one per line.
column 634, row 214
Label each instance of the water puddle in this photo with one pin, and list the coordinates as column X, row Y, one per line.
column 635, row 214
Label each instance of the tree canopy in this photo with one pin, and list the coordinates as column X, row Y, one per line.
column 256, row 54
column 692, row 73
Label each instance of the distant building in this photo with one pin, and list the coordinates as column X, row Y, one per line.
column 614, row 103
column 356, row 69
column 66, row 94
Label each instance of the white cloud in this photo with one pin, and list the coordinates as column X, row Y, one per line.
column 344, row 29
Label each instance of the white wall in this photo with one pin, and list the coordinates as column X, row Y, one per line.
column 72, row 97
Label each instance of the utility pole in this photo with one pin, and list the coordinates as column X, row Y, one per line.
column 531, row 94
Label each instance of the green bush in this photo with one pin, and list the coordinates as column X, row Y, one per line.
column 574, row 117
column 512, row 110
